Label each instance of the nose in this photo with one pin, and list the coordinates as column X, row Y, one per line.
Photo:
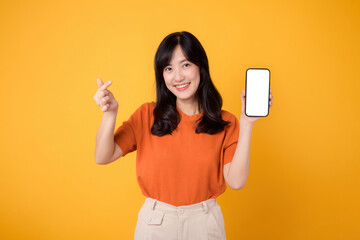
column 178, row 76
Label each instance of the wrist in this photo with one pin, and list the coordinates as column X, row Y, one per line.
column 245, row 123
column 110, row 114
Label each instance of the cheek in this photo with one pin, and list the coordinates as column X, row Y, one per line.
column 195, row 75
column 167, row 80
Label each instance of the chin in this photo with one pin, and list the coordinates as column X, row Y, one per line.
column 182, row 97
column 186, row 95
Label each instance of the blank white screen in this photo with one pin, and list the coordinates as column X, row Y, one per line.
column 257, row 92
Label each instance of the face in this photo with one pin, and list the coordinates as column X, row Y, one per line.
column 181, row 76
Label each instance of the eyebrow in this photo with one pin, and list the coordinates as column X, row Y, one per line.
column 184, row 60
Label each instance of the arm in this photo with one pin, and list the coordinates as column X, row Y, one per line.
column 236, row 172
column 106, row 151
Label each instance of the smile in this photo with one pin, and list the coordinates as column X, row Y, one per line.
column 182, row 86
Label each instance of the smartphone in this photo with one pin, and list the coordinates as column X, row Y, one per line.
column 257, row 92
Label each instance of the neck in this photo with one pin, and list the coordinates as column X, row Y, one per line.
column 189, row 107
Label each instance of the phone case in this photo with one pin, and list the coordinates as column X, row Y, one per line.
column 246, row 93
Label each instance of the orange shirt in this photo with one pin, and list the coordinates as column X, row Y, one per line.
column 183, row 168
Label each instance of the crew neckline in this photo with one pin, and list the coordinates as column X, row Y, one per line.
column 189, row 116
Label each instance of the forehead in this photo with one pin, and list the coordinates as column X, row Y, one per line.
column 177, row 55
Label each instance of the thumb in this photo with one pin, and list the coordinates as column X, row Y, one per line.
column 99, row 82
column 242, row 95
column 242, row 98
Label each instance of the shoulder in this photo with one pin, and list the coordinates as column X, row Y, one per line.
column 232, row 119
column 145, row 107
column 228, row 116
column 231, row 129
column 143, row 112
column 142, row 115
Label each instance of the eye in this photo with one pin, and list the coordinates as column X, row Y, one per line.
column 167, row 69
column 186, row 64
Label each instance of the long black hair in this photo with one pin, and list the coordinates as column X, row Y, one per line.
column 166, row 116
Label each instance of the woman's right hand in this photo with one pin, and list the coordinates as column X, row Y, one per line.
column 104, row 98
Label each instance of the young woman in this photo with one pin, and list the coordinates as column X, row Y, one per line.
column 188, row 148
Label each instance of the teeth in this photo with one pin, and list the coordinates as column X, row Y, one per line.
column 182, row 86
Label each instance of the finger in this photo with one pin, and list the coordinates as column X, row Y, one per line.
column 103, row 87
column 103, row 93
column 108, row 93
column 242, row 93
column 105, row 99
column 106, row 107
column 97, row 102
column 97, row 99
column 99, row 82
column 103, row 108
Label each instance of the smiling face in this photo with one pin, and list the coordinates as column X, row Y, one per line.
column 182, row 77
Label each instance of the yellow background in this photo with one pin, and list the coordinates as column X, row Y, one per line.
column 304, row 177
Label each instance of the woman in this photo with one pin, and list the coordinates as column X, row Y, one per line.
column 188, row 148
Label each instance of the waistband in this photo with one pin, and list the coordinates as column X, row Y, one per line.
column 203, row 206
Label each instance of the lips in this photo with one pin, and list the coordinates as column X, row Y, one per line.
column 182, row 86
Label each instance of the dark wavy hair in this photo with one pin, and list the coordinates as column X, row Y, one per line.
column 166, row 116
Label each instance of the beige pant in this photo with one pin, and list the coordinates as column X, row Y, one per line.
column 161, row 221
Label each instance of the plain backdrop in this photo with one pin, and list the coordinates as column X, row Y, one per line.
column 304, row 170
